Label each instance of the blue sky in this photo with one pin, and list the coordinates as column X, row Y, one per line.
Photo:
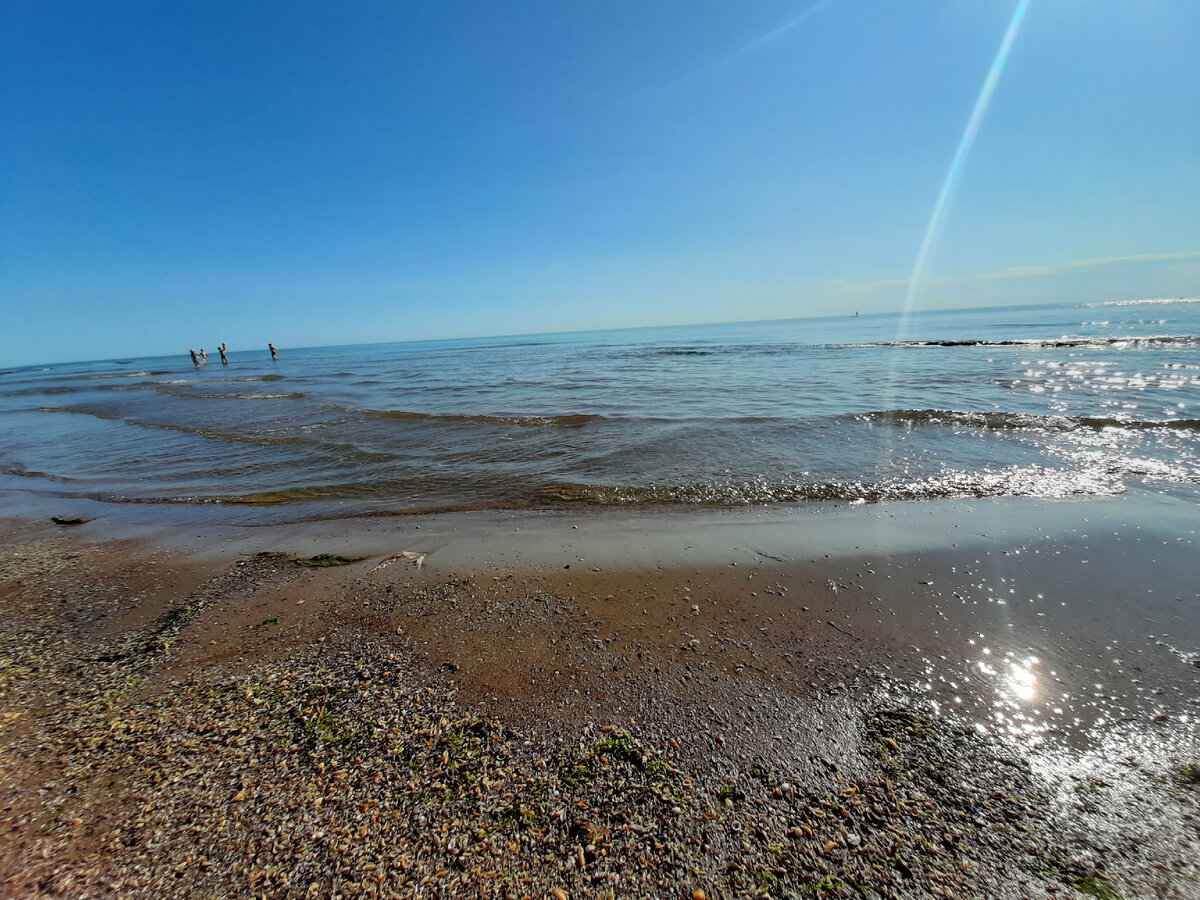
column 177, row 174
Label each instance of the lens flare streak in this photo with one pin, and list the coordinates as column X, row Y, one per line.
column 953, row 175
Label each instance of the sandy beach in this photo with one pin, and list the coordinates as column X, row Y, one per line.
column 577, row 451
column 983, row 699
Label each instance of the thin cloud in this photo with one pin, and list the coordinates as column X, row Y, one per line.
column 1033, row 271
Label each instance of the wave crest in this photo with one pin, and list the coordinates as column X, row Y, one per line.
column 575, row 420
column 1014, row 420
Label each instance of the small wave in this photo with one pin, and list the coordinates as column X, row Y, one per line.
column 281, row 496
column 212, row 434
column 563, row 421
column 172, row 391
column 21, row 472
column 407, row 496
column 34, row 391
column 287, row 495
column 341, row 450
column 243, row 378
column 82, row 411
column 1150, row 302
column 107, row 375
column 234, row 379
column 1056, row 343
column 1060, row 343
column 1013, row 481
column 1186, row 340
column 198, row 430
column 1003, row 420
column 649, row 352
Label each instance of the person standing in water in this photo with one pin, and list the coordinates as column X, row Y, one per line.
column 224, row 358
column 204, row 356
column 274, row 354
column 195, row 358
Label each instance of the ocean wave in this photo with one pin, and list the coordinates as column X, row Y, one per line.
column 396, row 497
column 82, row 411
column 35, row 391
column 107, row 375
column 171, row 391
column 444, row 494
column 317, row 493
column 198, row 430
column 1014, row 420
column 784, row 349
column 240, row 379
column 342, row 450
column 575, row 420
column 21, row 472
column 1184, row 340
column 726, row 350
column 1150, row 302
column 1013, row 481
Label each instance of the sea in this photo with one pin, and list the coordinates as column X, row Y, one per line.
column 1049, row 401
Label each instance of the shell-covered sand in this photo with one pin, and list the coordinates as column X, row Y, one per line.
column 258, row 727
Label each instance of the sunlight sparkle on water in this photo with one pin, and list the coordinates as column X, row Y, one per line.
column 1022, row 682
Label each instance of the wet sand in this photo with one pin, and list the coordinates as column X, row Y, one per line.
column 991, row 699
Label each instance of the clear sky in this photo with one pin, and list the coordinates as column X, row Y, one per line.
column 177, row 174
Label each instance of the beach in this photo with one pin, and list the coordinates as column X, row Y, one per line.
column 983, row 698
column 551, row 451
column 892, row 606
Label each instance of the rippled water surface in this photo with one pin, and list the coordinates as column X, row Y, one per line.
column 1039, row 401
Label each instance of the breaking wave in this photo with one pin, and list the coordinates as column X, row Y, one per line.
column 1150, row 302
column 1005, row 420
column 1182, row 340
column 1012, row 481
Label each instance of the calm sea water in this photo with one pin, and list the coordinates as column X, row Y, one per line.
column 1045, row 401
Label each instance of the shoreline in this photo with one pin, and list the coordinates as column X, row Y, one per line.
column 733, row 650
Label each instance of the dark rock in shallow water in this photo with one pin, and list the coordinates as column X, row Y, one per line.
column 72, row 520
column 326, row 560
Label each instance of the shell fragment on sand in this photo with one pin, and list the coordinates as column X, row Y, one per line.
column 404, row 555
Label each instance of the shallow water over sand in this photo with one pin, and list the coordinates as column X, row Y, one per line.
column 1046, row 402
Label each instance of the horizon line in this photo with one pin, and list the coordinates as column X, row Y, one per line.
column 529, row 334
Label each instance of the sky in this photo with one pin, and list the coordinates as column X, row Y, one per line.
column 184, row 173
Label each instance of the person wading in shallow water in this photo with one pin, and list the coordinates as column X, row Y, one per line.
column 274, row 354
column 204, row 356
column 195, row 358
column 224, row 358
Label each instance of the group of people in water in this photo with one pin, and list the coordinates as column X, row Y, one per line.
column 201, row 358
